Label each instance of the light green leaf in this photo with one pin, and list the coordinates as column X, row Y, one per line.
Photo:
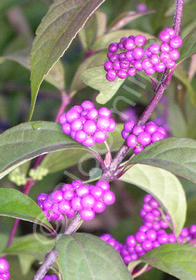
column 18, row 205
column 96, row 78
column 36, row 245
column 177, row 259
column 86, row 257
column 188, row 47
column 58, row 28
column 163, row 186
column 177, row 155
column 105, row 40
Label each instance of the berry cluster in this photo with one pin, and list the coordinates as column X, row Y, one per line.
column 142, row 136
column 50, row 277
column 4, row 269
column 130, row 55
column 151, row 234
column 87, row 125
column 76, row 197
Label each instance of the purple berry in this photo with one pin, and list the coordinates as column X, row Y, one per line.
column 112, row 125
column 124, row 64
column 130, row 44
column 113, row 47
column 80, row 136
column 164, row 36
column 128, row 126
column 157, row 136
column 160, row 67
column 170, row 64
column 66, row 128
column 99, row 206
column 87, row 214
column 100, row 136
column 103, row 123
column 76, row 125
column 154, row 59
column 165, row 47
column 82, row 190
column 164, row 57
column 154, row 48
column 122, row 74
column 174, row 54
column 109, row 197
column 116, row 65
column 104, row 185
column 90, row 127
column 147, row 245
column 62, row 118
column 138, row 53
column 140, row 236
column 176, row 42
column 5, row 276
column 129, row 55
column 131, row 141
column 144, row 138
column 124, row 134
column 104, row 112
column 64, row 207
column 88, row 201
column 140, row 40
column 108, row 65
column 76, row 204
column 132, row 71
column 138, row 149
column 130, row 241
column 89, row 142
column 150, row 127
column 137, row 129
column 4, row 265
column 149, row 71
column 72, row 115
column 138, row 65
column 111, row 75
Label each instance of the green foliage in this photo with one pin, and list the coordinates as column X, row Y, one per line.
column 54, row 35
column 93, row 259
column 165, row 187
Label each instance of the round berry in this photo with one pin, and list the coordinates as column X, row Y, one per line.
column 154, row 48
column 157, row 136
column 116, row 65
column 108, row 65
column 171, row 32
column 144, row 138
column 87, row 214
column 176, row 42
column 100, row 136
column 122, row 74
column 138, row 53
column 128, row 126
column 62, row 118
column 90, row 127
column 89, row 142
column 66, row 128
column 113, row 47
column 131, row 141
column 138, row 149
column 104, row 112
column 111, row 75
column 132, row 71
column 4, row 265
column 130, row 44
column 124, row 64
column 99, row 206
column 174, row 54
column 80, row 136
column 140, row 40
column 164, row 36
column 108, row 197
column 103, row 123
column 103, row 185
column 112, row 125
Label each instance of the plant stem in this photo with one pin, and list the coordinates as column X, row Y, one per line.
column 51, row 258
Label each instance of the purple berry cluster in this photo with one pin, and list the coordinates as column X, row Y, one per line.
column 87, row 125
column 151, row 234
column 4, row 269
column 76, row 197
column 130, row 55
column 138, row 136
column 50, row 277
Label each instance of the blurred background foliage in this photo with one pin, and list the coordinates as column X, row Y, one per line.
column 19, row 20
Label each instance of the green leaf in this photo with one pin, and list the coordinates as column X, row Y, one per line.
column 29, row 140
column 86, row 257
column 163, row 186
column 105, row 40
column 26, row 263
column 58, row 28
column 176, row 259
column 180, row 74
column 188, row 47
column 57, row 161
column 36, row 245
column 55, row 75
column 96, row 59
column 125, row 18
column 18, row 205
column 177, row 155
column 176, row 120
column 96, row 78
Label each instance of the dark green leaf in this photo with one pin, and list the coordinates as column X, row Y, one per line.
column 165, row 187
column 96, row 78
column 28, row 140
column 180, row 74
column 189, row 45
column 58, row 28
column 125, row 18
column 178, row 155
column 177, row 259
column 55, row 75
column 18, row 205
column 86, row 257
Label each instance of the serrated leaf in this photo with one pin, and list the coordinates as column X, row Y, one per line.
column 78, row 155
column 177, row 259
column 125, row 18
column 29, row 140
column 86, row 257
column 96, row 78
column 54, row 77
column 177, row 155
column 36, row 245
column 188, row 47
column 18, row 205
column 165, row 187
column 58, row 28
column 105, row 40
